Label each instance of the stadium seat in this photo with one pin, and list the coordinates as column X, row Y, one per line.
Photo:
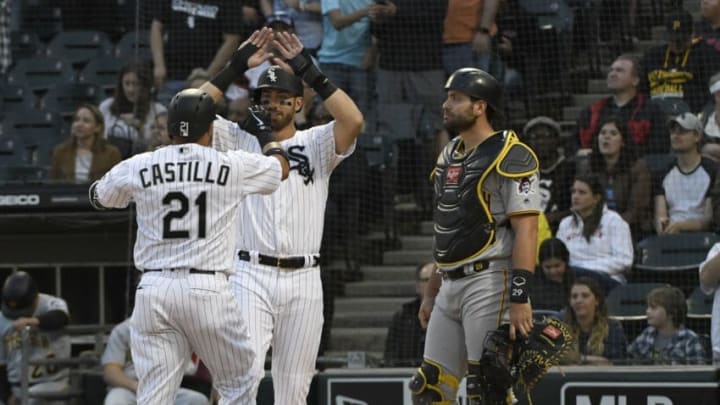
column 675, row 252
column 16, row 98
column 134, row 47
column 628, row 303
column 103, row 72
column 25, row 44
column 79, row 47
column 658, row 163
column 380, row 152
column 40, row 73
column 699, row 311
column 66, row 97
column 38, row 131
column 42, row 18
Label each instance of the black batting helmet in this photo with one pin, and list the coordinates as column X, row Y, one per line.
column 478, row 84
column 278, row 79
column 190, row 114
column 18, row 295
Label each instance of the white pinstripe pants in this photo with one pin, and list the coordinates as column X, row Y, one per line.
column 177, row 313
column 284, row 309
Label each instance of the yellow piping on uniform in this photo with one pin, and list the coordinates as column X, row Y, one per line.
column 485, row 206
column 502, row 300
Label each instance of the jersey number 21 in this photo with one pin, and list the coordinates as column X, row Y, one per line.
column 200, row 203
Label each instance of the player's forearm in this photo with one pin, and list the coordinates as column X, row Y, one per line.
column 488, row 13
column 230, row 43
column 348, row 119
column 433, row 285
column 525, row 243
column 710, row 274
column 266, row 7
column 156, row 44
column 115, row 377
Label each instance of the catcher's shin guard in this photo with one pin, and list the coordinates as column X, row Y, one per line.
column 431, row 386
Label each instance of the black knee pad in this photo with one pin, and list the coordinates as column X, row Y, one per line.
column 425, row 384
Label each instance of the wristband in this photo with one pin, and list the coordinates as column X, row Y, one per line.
column 223, row 78
column 271, row 145
column 520, row 286
column 303, row 67
column 277, row 151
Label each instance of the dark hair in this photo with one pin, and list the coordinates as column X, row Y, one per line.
column 628, row 155
column 121, row 104
column 554, row 248
column 592, row 221
column 673, row 300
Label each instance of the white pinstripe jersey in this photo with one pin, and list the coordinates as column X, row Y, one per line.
column 290, row 221
column 186, row 198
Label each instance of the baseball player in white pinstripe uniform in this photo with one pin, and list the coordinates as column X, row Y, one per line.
column 277, row 278
column 187, row 196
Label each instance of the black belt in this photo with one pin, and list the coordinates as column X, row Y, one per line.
column 191, row 271
column 296, row 262
column 466, row 270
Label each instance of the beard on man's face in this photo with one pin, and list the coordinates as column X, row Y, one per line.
column 458, row 123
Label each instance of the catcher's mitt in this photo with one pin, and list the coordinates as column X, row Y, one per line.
column 525, row 361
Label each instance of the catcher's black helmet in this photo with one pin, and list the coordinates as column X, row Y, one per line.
column 190, row 114
column 278, row 79
column 478, row 84
column 18, row 295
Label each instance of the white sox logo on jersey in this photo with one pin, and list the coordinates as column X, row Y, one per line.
column 300, row 162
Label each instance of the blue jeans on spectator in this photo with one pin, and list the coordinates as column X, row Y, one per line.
column 606, row 282
column 352, row 80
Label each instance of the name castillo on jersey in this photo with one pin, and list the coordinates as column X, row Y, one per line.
column 192, row 171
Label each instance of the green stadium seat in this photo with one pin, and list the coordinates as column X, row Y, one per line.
column 16, row 98
column 41, row 73
column 134, row 47
column 676, row 252
column 79, row 47
column 25, row 44
column 628, row 303
column 66, row 97
column 42, row 18
column 103, row 72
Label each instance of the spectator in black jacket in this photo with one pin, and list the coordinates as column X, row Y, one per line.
column 406, row 338
column 644, row 120
column 681, row 69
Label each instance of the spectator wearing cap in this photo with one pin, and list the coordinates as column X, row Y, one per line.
column 709, row 27
column 644, row 120
column 625, row 178
column 711, row 121
column 542, row 134
column 23, row 306
column 306, row 15
column 683, row 200
column 678, row 72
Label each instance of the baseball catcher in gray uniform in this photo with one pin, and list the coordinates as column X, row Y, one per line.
column 485, row 223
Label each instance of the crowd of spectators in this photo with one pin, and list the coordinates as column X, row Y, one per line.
column 601, row 194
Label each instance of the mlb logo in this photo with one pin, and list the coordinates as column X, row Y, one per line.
column 452, row 176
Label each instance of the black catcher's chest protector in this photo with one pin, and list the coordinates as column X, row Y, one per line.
column 464, row 226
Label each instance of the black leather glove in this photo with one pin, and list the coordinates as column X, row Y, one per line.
column 258, row 124
column 304, row 68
